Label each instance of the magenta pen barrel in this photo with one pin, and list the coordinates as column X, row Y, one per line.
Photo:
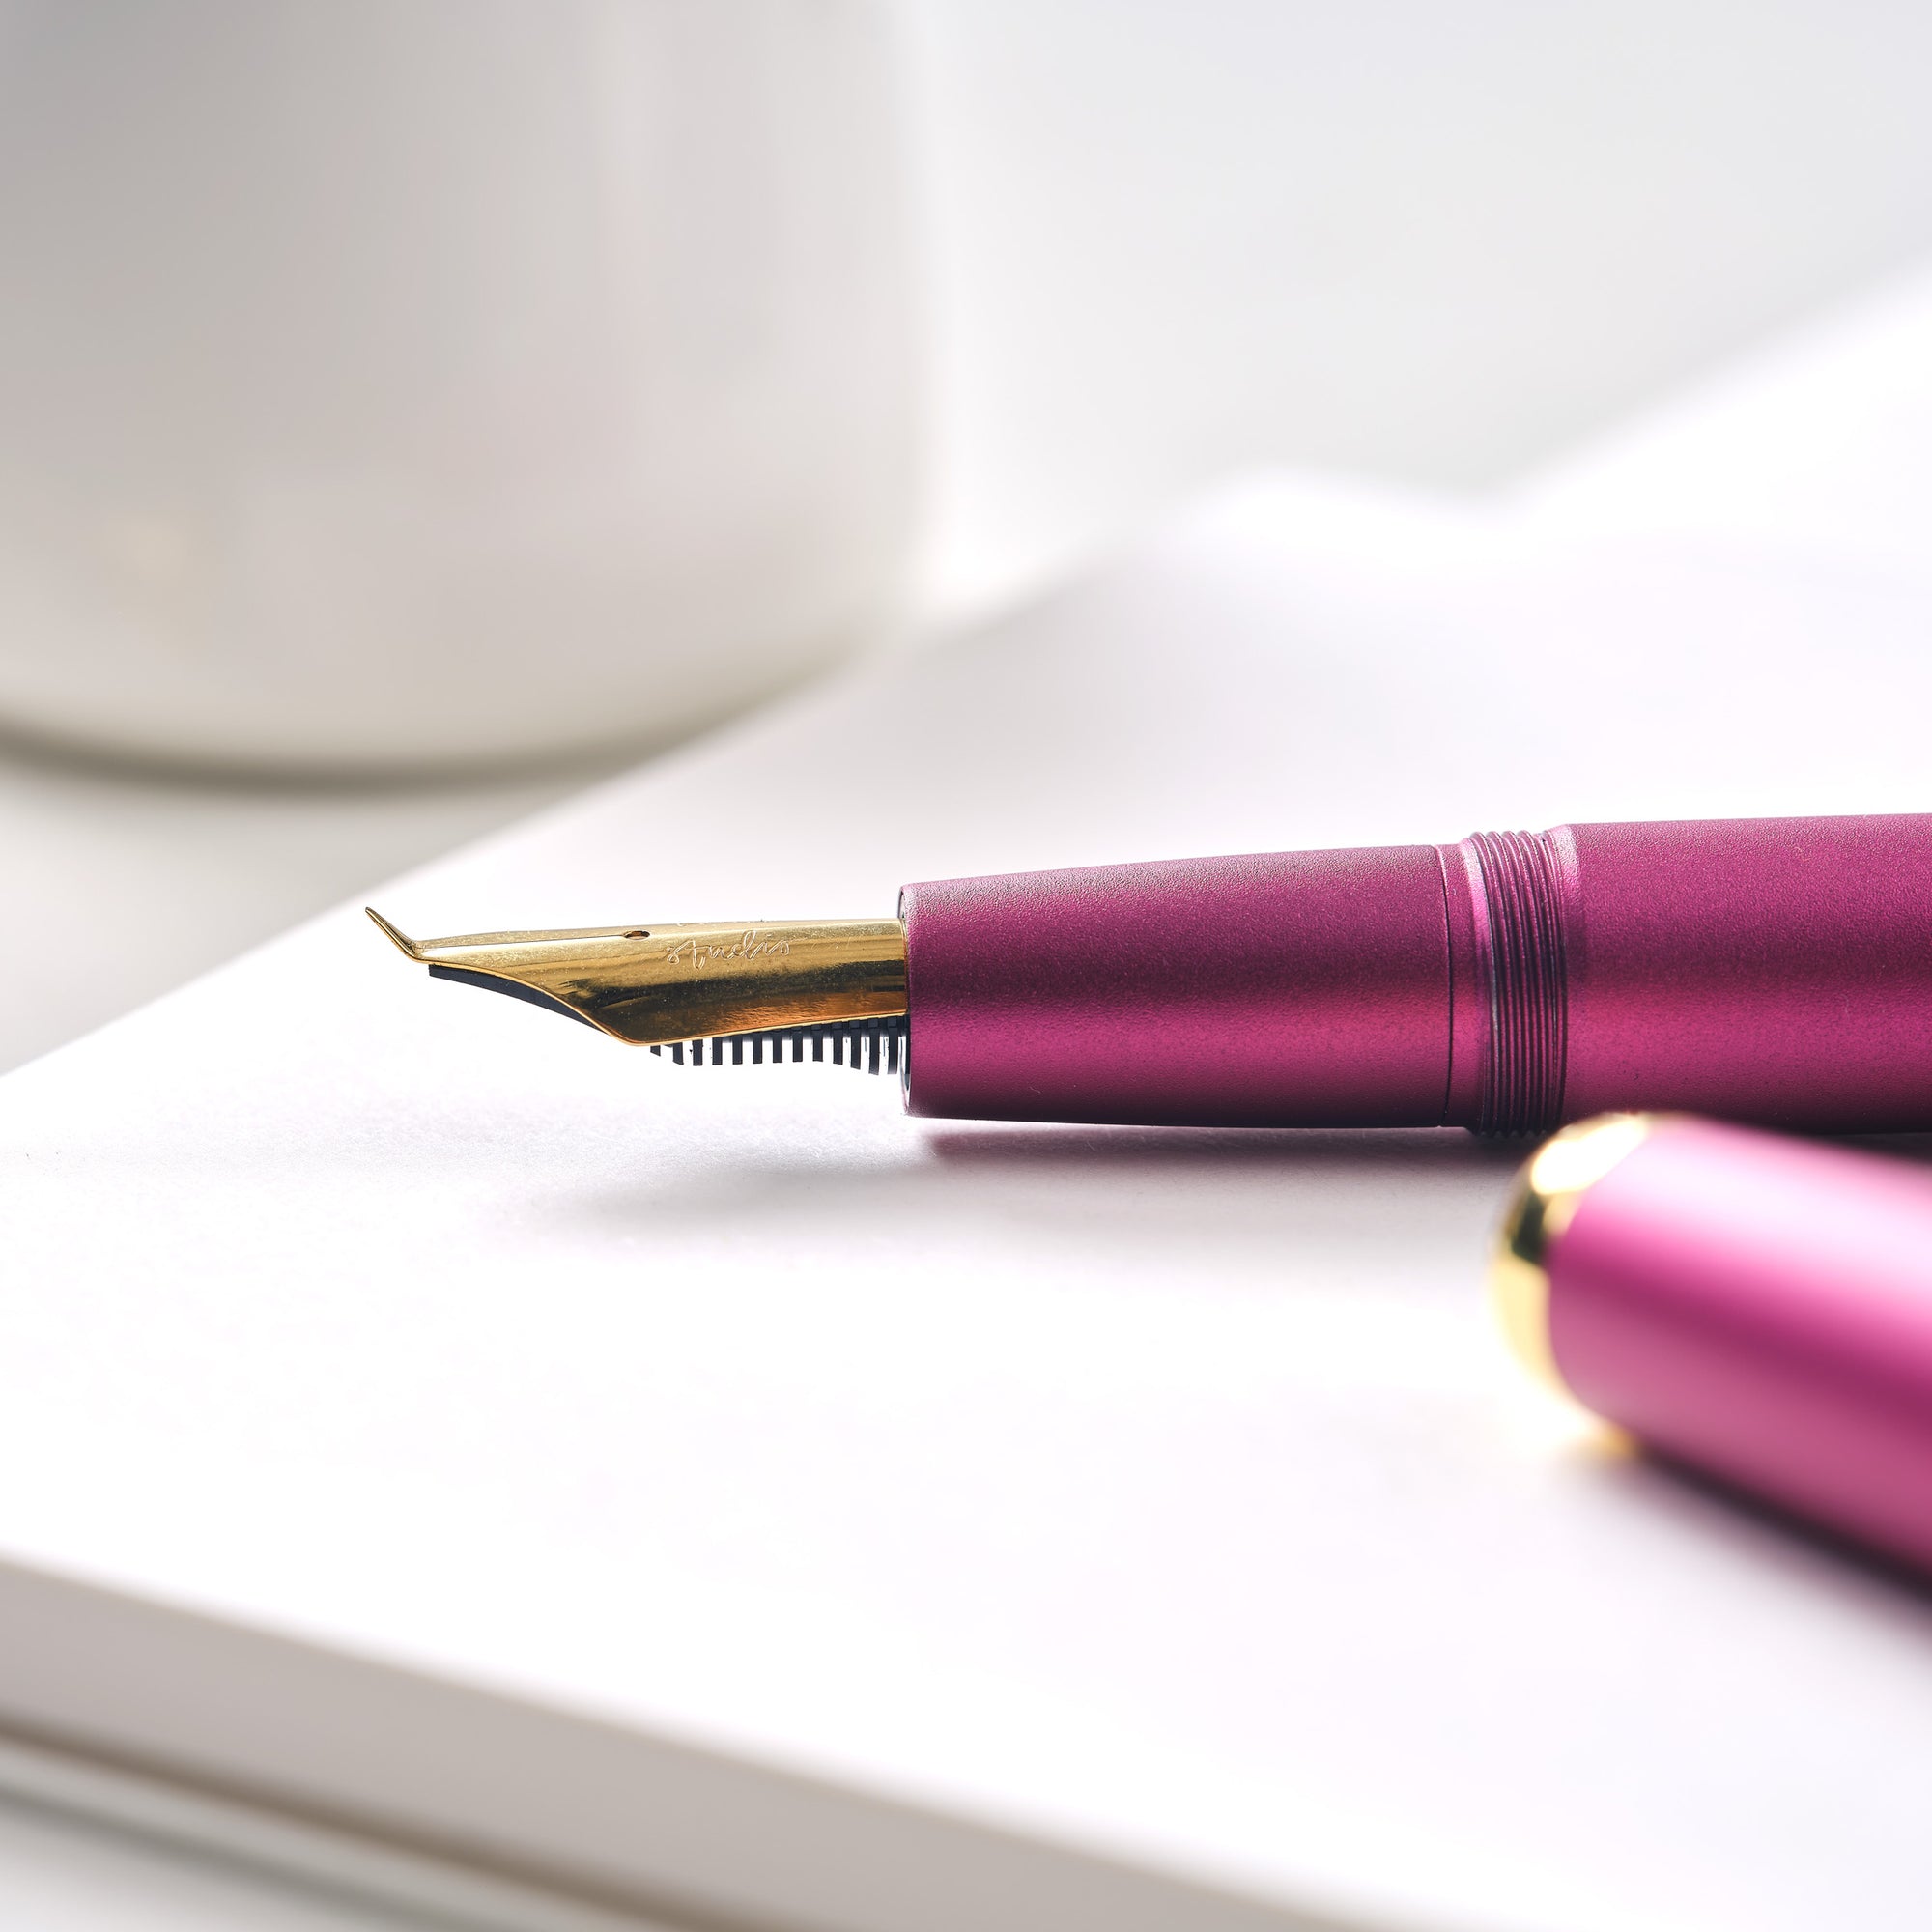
column 1776, row 970
column 1757, row 1307
column 1767, row 970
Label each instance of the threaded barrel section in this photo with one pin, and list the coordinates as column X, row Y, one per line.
column 1523, row 1069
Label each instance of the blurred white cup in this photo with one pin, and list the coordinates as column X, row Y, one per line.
column 392, row 382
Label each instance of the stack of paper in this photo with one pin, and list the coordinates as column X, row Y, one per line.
column 718, row 1494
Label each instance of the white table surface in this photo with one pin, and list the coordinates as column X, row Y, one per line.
column 1291, row 307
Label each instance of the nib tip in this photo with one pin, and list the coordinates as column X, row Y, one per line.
column 401, row 940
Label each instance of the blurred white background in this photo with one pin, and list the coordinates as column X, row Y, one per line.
column 1434, row 243
column 1164, row 240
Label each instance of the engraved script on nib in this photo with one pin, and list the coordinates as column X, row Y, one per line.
column 752, row 945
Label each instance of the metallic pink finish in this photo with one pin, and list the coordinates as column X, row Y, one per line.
column 1762, row 1309
column 1290, row 989
column 1770, row 970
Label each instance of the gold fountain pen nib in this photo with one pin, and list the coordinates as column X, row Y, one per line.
column 707, row 992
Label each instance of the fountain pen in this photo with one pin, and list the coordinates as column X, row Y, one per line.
column 1772, row 970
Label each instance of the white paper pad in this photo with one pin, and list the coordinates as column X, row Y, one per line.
column 716, row 1492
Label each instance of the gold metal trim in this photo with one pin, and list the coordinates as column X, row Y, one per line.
column 1549, row 1190
column 655, row 986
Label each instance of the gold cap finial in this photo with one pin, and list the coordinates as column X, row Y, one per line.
column 1549, row 1190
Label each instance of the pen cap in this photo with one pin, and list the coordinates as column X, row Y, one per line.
column 1756, row 1307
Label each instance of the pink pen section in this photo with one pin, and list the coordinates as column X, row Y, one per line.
column 1305, row 988
column 1769, row 970
column 1756, row 1307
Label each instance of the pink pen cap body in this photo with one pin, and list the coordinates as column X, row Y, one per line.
column 1756, row 1307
